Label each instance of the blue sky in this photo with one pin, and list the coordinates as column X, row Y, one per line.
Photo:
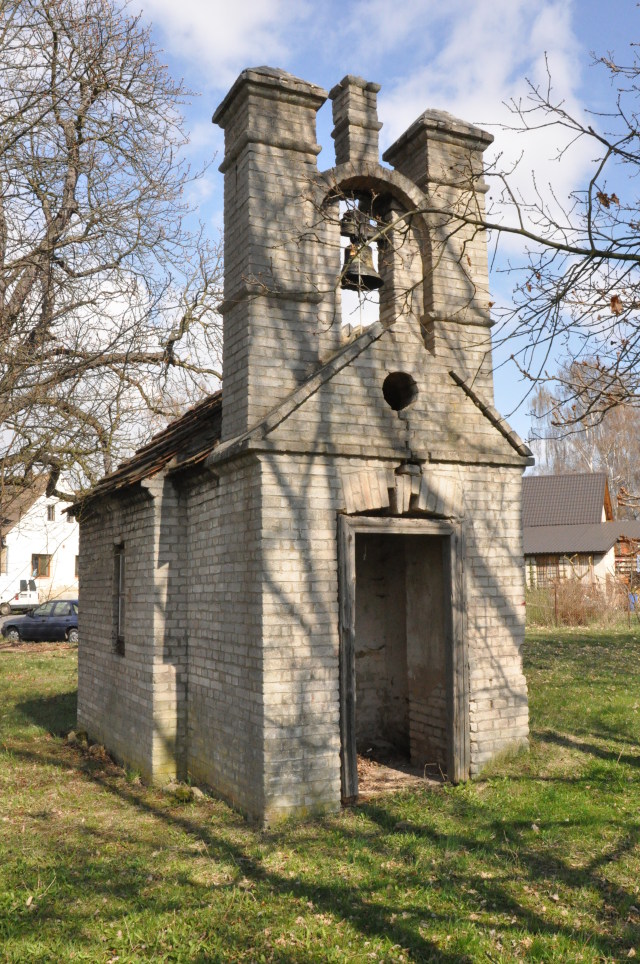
column 465, row 56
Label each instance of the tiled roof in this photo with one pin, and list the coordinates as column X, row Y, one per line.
column 184, row 442
column 563, row 539
column 563, row 500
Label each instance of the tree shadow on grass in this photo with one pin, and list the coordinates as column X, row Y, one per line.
column 541, row 867
column 601, row 752
column 458, row 889
column 55, row 714
column 370, row 912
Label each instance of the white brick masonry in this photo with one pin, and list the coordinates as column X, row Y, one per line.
column 234, row 643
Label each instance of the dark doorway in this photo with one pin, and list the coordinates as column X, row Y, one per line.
column 400, row 649
column 400, row 687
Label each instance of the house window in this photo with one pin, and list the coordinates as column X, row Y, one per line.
column 547, row 570
column 51, row 513
column 40, row 566
column 118, row 598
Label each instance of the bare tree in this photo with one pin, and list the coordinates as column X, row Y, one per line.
column 578, row 291
column 106, row 298
column 569, row 436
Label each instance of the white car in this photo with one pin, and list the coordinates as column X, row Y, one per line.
column 24, row 597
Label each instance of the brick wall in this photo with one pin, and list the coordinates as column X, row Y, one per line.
column 300, row 635
column 225, row 743
column 495, row 612
column 135, row 702
column 115, row 693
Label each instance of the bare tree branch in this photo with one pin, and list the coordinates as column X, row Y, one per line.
column 107, row 300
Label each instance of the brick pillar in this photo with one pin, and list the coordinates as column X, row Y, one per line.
column 279, row 306
column 355, row 118
column 443, row 156
column 400, row 265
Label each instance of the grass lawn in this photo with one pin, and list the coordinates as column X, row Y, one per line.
column 538, row 861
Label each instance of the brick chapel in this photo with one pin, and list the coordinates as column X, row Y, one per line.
column 325, row 556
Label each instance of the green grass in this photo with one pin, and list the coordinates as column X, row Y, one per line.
column 538, row 861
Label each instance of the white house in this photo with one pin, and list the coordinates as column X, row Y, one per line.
column 39, row 544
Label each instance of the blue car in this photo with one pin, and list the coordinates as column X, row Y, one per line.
column 53, row 621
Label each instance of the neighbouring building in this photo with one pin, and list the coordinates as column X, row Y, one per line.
column 38, row 547
column 569, row 531
column 328, row 554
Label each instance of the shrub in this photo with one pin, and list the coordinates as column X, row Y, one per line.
column 571, row 602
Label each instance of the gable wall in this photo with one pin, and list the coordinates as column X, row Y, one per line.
column 303, row 496
column 348, row 412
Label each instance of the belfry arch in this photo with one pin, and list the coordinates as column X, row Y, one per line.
column 402, row 237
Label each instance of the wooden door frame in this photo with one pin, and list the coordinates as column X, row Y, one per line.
column 457, row 665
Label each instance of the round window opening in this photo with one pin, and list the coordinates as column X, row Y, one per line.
column 399, row 390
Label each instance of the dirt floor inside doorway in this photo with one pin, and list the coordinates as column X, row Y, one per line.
column 383, row 773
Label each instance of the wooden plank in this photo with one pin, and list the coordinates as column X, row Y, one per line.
column 432, row 499
column 397, row 526
column 441, row 506
column 358, row 495
column 377, row 494
column 367, row 497
column 423, row 495
column 457, row 659
column 382, row 476
column 405, row 492
column 347, row 488
column 347, row 580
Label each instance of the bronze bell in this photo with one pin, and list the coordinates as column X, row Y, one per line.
column 359, row 273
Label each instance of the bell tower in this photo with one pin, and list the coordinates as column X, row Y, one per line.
column 282, row 297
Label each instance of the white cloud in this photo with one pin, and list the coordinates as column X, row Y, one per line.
column 201, row 190
column 371, row 29
column 205, row 137
column 219, row 39
column 486, row 52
